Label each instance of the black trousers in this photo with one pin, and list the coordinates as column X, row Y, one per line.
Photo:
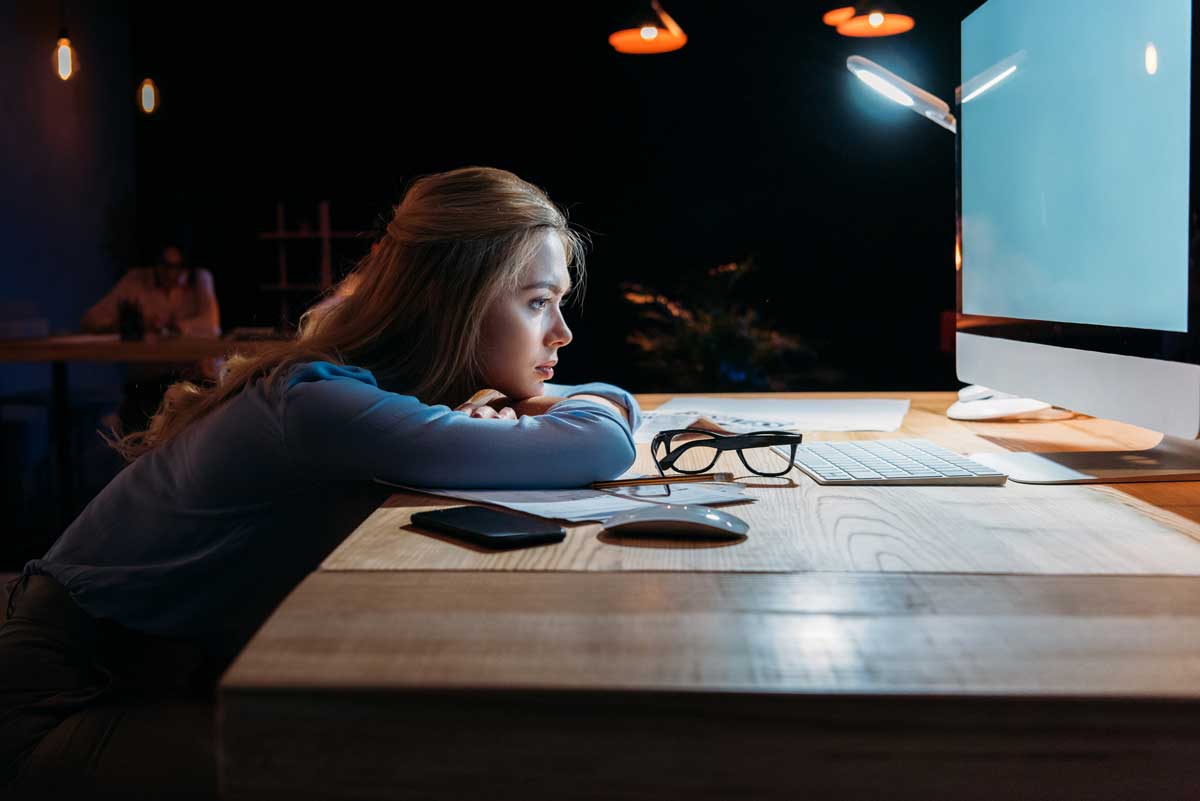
column 95, row 709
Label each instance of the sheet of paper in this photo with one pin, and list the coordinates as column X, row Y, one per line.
column 577, row 505
column 737, row 416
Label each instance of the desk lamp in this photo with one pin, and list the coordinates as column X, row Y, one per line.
column 974, row 402
column 932, row 107
column 896, row 89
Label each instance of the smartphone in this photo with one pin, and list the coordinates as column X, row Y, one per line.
column 490, row 528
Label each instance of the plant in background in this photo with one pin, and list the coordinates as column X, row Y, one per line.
column 701, row 337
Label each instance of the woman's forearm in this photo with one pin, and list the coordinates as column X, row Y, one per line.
column 602, row 401
column 541, row 404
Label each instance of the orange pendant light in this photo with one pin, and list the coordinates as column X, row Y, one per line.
column 65, row 63
column 837, row 16
column 867, row 21
column 147, row 96
column 659, row 35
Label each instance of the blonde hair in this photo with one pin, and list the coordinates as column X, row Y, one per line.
column 412, row 310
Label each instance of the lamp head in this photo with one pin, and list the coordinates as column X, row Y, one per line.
column 898, row 90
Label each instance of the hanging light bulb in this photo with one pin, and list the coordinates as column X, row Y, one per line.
column 147, row 96
column 64, row 56
column 867, row 20
column 876, row 23
column 837, row 16
column 661, row 35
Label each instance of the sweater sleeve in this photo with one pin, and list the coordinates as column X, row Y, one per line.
column 338, row 423
column 613, row 393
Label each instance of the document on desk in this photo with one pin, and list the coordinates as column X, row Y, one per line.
column 737, row 416
column 577, row 505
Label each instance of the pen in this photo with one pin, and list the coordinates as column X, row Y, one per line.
column 633, row 482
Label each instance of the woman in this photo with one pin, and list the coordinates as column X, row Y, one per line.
column 237, row 491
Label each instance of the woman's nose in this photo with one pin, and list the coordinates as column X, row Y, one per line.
column 559, row 335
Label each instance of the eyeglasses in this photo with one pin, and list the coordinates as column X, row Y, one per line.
column 668, row 447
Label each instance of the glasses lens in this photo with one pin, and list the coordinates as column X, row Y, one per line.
column 694, row 455
column 766, row 461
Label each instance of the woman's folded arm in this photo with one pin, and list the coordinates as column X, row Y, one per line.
column 339, row 423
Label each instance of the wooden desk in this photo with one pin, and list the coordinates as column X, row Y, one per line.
column 849, row 676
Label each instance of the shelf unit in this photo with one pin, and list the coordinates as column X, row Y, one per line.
column 283, row 286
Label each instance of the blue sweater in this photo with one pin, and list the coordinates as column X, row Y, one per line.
column 202, row 537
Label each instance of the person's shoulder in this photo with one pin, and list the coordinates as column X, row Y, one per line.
column 318, row 371
column 318, row 397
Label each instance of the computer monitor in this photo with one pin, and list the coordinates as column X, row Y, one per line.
column 1076, row 221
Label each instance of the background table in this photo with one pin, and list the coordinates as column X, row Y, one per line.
column 944, row 642
column 59, row 350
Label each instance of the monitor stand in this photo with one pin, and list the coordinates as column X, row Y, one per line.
column 1172, row 459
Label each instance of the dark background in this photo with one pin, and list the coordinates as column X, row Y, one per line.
column 752, row 145
column 753, row 141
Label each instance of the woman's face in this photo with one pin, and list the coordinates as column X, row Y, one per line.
column 523, row 331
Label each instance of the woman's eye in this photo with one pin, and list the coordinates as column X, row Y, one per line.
column 540, row 303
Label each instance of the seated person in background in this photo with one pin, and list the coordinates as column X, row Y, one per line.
column 174, row 298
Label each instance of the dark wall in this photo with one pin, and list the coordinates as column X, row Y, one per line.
column 753, row 142
column 67, row 183
column 67, row 166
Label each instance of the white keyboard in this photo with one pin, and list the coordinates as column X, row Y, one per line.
column 890, row 461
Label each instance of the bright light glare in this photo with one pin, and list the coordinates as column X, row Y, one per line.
column 1151, row 59
column 649, row 32
column 990, row 84
column 875, row 19
column 148, row 96
column 884, row 88
column 63, row 58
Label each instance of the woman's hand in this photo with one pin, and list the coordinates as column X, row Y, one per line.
column 491, row 403
column 538, row 404
column 488, row 403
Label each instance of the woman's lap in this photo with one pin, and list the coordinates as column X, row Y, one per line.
column 67, row 722
column 155, row 749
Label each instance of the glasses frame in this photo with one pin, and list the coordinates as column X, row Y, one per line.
column 720, row 443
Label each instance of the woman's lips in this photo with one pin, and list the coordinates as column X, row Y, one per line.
column 546, row 373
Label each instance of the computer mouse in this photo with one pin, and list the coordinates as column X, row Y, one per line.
column 685, row 521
